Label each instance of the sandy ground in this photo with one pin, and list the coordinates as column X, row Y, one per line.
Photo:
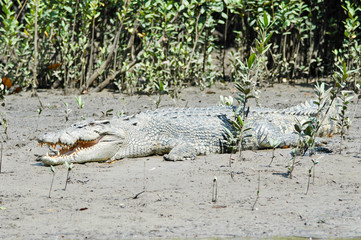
column 100, row 203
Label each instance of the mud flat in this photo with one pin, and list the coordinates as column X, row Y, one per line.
column 102, row 202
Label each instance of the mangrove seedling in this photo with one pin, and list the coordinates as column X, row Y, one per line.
column 52, row 180
column 5, row 124
column 312, row 168
column 67, row 111
column 292, row 162
column 214, row 190
column 274, row 144
column 108, row 112
column 308, row 130
column 161, row 89
column 80, row 105
column 246, row 90
column 80, row 102
column 40, row 109
column 342, row 120
column 258, row 190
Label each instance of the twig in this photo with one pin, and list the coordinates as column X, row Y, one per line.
column 137, row 195
column 22, row 8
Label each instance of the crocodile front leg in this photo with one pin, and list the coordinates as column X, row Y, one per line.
column 181, row 152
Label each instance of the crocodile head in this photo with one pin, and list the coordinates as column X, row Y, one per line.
column 83, row 142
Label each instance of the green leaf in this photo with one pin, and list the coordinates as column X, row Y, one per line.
column 68, row 9
column 308, row 131
column 307, row 123
column 161, row 86
column 68, row 165
column 147, row 4
column 297, row 128
column 265, row 18
column 268, row 38
column 118, row 14
column 52, row 168
column 97, row 15
column 240, row 121
column 251, row 60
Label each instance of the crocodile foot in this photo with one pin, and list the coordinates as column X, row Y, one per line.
column 181, row 152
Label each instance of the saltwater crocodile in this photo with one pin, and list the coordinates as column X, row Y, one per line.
column 180, row 134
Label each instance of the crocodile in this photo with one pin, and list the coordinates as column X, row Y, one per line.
column 176, row 133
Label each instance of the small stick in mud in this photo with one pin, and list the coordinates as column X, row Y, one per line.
column 137, row 195
column 1, row 155
column 254, row 204
column 52, row 180
column 69, row 166
column 214, row 190
column 144, row 178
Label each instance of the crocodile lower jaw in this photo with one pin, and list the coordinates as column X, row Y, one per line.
column 62, row 150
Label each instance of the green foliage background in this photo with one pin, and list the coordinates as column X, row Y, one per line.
column 140, row 45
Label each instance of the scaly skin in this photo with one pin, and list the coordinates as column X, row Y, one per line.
column 179, row 133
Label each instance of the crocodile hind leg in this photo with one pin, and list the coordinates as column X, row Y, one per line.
column 181, row 152
column 262, row 137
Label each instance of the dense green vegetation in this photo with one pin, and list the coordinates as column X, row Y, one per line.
column 154, row 45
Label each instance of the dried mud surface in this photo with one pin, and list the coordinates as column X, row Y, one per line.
column 99, row 200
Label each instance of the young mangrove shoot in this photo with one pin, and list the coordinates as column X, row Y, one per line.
column 52, row 180
column 214, row 190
